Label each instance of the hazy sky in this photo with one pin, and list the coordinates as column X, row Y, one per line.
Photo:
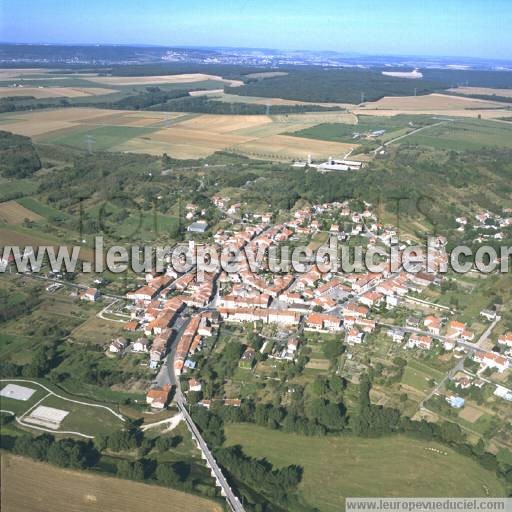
column 474, row 28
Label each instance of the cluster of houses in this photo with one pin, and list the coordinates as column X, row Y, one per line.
column 464, row 381
column 489, row 225
column 317, row 301
column 449, row 336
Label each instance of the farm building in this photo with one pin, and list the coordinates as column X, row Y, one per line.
column 198, row 227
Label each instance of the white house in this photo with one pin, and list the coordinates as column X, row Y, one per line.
column 489, row 314
column 503, row 392
column 118, row 345
column 91, row 294
column 396, row 335
column 418, row 341
column 506, row 339
column 141, row 345
column 194, row 385
column 293, row 344
column 354, row 336
column 492, row 360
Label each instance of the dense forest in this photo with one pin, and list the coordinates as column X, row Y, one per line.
column 335, row 85
column 154, row 98
column 470, row 78
column 18, row 156
column 210, row 106
column 179, row 100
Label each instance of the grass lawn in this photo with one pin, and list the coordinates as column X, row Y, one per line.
column 83, row 418
column 340, row 132
column 136, row 225
column 101, row 138
column 11, row 189
column 417, row 379
column 13, row 347
column 44, row 210
column 337, row 467
column 84, row 391
column 468, row 134
column 423, row 367
column 97, row 331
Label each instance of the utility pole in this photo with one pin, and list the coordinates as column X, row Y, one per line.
column 89, row 140
column 362, row 97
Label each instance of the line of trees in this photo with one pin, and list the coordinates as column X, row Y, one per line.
column 211, row 106
column 66, row 453
column 125, row 453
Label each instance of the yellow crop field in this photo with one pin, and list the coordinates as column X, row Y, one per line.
column 38, row 127
column 183, row 142
column 54, row 92
column 12, row 212
column 42, row 122
column 6, row 74
column 34, row 486
column 160, row 79
column 433, row 104
column 155, row 147
column 285, row 147
column 63, row 114
column 182, row 135
column 138, row 119
column 223, row 123
column 485, row 91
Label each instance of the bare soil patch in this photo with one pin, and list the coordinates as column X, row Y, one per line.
column 12, row 212
column 34, row 486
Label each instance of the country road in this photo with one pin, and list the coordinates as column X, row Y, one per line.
column 172, row 423
column 66, row 283
column 124, row 318
column 233, row 501
column 181, row 402
column 411, row 133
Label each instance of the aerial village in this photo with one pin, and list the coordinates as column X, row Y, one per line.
column 174, row 317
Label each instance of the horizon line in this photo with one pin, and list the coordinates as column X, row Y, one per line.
column 346, row 54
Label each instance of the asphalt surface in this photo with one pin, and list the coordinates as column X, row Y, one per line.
column 168, row 370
